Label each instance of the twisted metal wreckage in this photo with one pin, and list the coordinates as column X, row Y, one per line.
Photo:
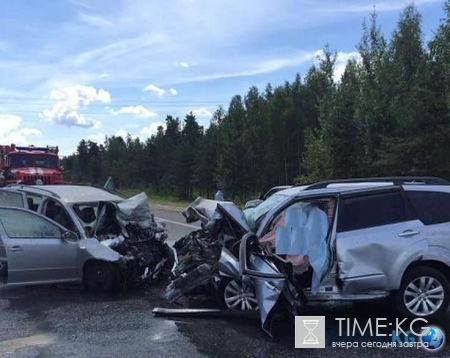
column 130, row 228
column 244, row 272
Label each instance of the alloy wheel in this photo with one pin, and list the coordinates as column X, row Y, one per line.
column 239, row 297
column 423, row 296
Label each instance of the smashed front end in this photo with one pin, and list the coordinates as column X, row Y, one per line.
column 225, row 256
column 130, row 229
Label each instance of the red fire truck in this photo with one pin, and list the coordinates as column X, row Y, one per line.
column 30, row 165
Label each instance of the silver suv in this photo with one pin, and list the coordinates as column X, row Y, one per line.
column 344, row 240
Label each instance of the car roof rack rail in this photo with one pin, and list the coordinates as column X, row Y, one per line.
column 395, row 180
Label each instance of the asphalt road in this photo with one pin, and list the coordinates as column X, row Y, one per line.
column 175, row 223
column 65, row 321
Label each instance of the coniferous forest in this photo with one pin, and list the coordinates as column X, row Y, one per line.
column 389, row 114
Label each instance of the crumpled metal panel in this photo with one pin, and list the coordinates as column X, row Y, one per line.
column 113, row 242
column 206, row 210
column 200, row 209
column 136, row 210
column 94, row 250
column 375, row 258
column 233, row 212
column 268, row 291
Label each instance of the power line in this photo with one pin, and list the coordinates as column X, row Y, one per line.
column 114, row 100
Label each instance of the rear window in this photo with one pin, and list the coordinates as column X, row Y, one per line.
column 372, row 210
column 431, row 207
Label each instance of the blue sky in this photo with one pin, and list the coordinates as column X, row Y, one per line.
column 73, row 69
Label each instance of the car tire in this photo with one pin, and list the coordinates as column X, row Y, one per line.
column 232, row 296
column 424, row 293
column 100, row 276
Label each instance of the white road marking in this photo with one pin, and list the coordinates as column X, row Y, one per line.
column 178, row 223
column 8, row 347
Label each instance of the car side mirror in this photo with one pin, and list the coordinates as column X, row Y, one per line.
column 70, row 236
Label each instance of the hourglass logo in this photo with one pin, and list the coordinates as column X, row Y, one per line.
column 310, row 332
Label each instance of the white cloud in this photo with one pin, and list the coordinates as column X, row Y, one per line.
column 155, row 90
column 202, row 112
column 380, row 6
column 158, row 91
column 82, row 4
column 152, row 129
column 100, row 137
column 9, row 122
column 342, row 59
column 97, row 137
column 341, row 63
column 10, row 131
column 258, row 68
column 183, row 64
column 118, row 53
column 121, row 133
column 104, row 75
column 94, row 20
column 138, row 111
column 68, row 103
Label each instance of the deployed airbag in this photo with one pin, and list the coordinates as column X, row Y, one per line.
column 303, row 233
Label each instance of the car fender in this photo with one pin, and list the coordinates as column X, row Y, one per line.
column 418, row 251
column 229, row 265
column 434, row 253
column 94, row 250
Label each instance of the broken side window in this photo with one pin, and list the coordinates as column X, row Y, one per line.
column 87, row 213
column 33, row 201
column 300, row 232
column 56, row 212
column 107, row 221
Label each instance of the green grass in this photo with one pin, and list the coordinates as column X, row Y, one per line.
column 156, row 198
column 162, row 199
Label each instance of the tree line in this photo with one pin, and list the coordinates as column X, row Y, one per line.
column 389, row 114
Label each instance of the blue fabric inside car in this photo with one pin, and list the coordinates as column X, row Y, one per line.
column 304, row 233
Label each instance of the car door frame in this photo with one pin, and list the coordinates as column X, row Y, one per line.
column 40, row 275
column 79, row 230
column 277, row 210
column 388, row 275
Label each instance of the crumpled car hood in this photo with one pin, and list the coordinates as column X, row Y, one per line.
column 206, row 210
column 135, row 210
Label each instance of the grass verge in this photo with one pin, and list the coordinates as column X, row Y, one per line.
column 155, row 198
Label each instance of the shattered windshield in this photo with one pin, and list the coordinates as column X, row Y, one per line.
column 255, row 215
column 87, row 213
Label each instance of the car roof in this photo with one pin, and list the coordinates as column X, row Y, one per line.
column 70, row 193
column 334, row 188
